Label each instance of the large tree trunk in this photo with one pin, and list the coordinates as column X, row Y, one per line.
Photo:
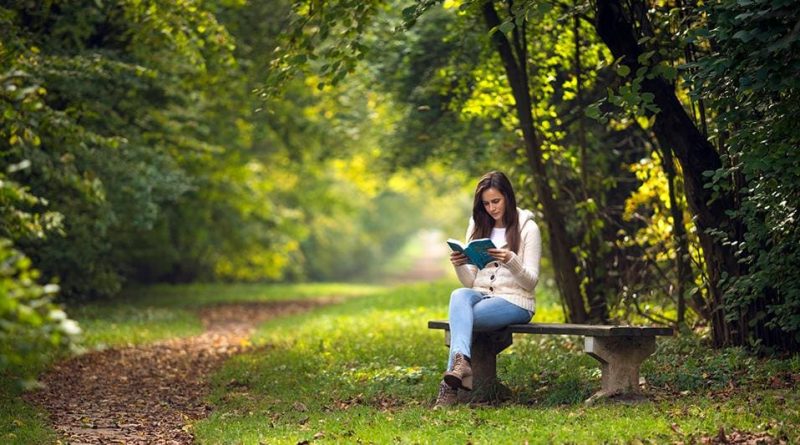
column 564, row 261
column 675, row 131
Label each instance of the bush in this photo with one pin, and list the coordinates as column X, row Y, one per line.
column 31, row 325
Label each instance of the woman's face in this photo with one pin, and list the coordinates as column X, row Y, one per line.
column 495, row 204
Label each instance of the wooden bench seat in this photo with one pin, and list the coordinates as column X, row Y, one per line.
column 619, row 349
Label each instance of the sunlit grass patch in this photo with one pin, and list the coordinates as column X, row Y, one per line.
column 194, row 295
column 126, row 324
column 158, row 312
column 20, row 423
column 367, row 370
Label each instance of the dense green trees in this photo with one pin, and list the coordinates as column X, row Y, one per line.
column 706, row 88
column 101, row 129
column 136, row 150
column 748, row 76
column 233, row 140
column 136, row 127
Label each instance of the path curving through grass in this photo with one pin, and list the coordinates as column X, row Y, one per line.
column 148, row 393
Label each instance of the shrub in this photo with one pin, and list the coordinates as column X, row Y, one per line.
column 31, row 325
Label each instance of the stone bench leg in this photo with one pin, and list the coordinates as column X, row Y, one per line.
column 485, row 347
column 620, row 358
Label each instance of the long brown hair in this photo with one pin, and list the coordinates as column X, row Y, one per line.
column 484, row 222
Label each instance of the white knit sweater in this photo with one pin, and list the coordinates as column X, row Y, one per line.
column 516, row 280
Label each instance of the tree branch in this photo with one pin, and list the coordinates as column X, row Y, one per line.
column 519, row 46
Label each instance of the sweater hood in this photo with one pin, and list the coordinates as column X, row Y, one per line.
column 524, row 216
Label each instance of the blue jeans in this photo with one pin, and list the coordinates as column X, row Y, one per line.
column 471, row 311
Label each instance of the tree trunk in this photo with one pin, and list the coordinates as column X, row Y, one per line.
column 594, row 289
column 564, row 261
column 682, row 265
column 675, row 131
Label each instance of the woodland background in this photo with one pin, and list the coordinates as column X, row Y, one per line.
column 233, row 141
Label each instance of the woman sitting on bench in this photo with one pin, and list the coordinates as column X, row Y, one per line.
column 502, row 292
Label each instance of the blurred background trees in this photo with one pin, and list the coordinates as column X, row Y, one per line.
column 231, row 140
column 135, row 150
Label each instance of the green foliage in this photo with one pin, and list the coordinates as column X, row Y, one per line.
column 429, row 71
column 31, row 326
column 143, row 155
column 85, row 128
column 326, row 36
column 700, row 372
column 750, row 77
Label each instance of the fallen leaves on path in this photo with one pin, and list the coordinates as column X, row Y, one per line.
column 743, row 438
column 150, row 394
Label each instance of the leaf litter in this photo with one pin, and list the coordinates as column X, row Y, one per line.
column 151, row 393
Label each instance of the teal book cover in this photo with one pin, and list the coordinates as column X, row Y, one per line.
column 475, row 250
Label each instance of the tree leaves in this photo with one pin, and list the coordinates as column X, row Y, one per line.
column 506, row 27
column 754, row 90
column 31, row 326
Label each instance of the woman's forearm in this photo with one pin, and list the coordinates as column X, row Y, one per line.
column 526, row 271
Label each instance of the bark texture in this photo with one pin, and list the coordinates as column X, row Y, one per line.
column 564, row 261
column 675, row 131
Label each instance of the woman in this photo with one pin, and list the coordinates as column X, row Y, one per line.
column 502, row 292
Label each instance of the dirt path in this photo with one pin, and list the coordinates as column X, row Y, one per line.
column 147, row 394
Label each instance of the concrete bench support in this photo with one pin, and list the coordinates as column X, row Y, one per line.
column 485, row 347
column 620, row 359
column 619, row 349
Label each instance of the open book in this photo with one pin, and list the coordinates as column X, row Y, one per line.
column 475, row 250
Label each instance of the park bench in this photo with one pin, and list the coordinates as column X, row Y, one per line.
column 619, row 349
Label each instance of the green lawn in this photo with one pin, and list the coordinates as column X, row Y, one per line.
column 147, row 314
column 21, row 423
column 367, row 370
column 197, row 295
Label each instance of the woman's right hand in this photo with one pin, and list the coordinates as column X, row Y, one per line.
column 458, row 259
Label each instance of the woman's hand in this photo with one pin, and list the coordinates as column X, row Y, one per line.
column 503, row 255
column 458, row 259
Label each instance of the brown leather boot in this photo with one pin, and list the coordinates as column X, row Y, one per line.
column 447, row 396
column 461, row 374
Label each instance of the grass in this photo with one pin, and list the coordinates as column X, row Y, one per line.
column 197, row 295
column 367, row 371
column 21, row 423
column 141, row 316
column 126, row 324
column 148, row 314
